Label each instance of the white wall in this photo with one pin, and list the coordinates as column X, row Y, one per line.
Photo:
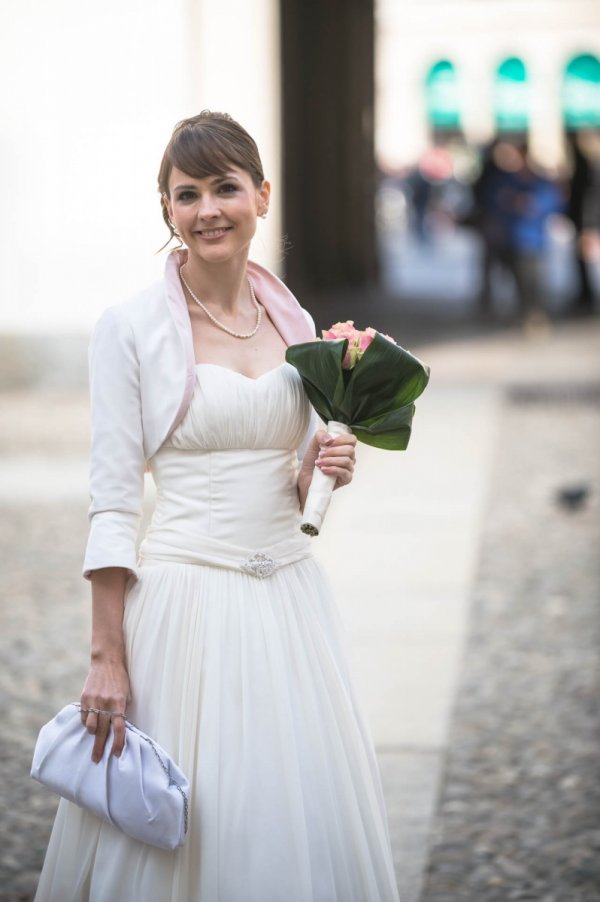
column 91, row 92
column 234, row 67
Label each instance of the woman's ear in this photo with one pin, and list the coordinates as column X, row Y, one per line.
column 264, row 195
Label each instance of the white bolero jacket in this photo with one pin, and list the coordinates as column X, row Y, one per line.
column 142, row 374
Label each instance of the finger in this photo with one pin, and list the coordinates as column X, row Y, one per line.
column 342, row 476
column 338, row 448
column 327, row 440
column 342, row 480
column 101, row 735
column 342, row 453
column 118, row 724
column 345, row 438
column 328, row 464
column 91, row 722
column 323, row 438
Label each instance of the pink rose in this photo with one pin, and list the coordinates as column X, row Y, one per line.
column 365, row 339
column 370, row 331
column 341, row 330
column 358, row 341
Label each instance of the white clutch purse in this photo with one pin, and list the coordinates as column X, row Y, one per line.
column 142, row 792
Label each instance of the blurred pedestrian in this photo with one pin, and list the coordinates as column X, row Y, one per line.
column 420, row 197
column 583, row 210
column 433, row 171
column 526, row 201
column 487, row 218
column 579, row 183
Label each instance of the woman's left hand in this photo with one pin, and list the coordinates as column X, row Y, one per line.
column 334, row 456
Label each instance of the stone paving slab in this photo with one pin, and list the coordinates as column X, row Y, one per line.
column 519, row 810
column 411, row 781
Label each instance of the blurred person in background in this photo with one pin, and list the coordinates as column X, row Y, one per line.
column 220, row 638
column 517, row 201
column 425, row 186
column 529, row 200
column 488, row 218
column 583, row 210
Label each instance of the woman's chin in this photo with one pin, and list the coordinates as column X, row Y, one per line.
column 221, row 252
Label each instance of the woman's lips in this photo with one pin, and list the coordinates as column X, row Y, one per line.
column 213, row 234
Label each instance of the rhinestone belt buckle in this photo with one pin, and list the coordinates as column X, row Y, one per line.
column 260, row 565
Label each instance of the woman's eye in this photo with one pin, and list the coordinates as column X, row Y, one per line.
column 227, row 187
column 186, row 196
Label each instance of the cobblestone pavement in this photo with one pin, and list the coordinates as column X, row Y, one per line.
column 45, row 628
column 44, row 612
column 519, row 812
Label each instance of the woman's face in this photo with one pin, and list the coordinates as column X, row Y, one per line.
column 216, row 216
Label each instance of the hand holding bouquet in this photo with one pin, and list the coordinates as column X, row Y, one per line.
column 360, row 382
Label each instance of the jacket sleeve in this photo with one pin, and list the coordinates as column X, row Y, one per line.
column 117, row 452
column 313, row 423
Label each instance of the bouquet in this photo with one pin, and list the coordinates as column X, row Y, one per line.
column 360, row 382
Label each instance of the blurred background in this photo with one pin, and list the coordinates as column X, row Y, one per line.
column 436, row 173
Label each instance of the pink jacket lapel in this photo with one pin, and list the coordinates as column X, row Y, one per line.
column 286, row 314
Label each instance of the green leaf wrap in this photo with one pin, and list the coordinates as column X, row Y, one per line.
column 375, row 398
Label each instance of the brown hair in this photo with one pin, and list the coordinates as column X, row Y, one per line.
column 204, row 145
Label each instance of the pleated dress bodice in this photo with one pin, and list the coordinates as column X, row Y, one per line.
column 228, row 473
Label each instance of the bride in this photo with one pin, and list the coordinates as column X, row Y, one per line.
column 219, row 638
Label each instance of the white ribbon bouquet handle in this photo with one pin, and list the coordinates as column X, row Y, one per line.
column 321, row 487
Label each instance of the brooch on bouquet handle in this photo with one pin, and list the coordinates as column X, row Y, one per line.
column 360, row 382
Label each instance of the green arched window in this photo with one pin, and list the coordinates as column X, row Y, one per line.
column 441, row 87
column 511, row 96
column 581, row 92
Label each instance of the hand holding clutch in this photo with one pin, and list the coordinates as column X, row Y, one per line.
column 142, row 792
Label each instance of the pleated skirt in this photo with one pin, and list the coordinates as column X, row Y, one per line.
column 246, row 683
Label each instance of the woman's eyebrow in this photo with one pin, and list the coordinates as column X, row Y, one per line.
column 227, row 176
column 219, row 178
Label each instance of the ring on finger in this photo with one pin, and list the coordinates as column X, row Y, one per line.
column 103, row 711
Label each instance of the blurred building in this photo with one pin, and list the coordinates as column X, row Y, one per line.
column 476, row 67
column 93, row 92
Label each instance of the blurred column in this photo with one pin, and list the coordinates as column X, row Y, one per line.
column 545, row 120
column 327, row 58
column 477, row 84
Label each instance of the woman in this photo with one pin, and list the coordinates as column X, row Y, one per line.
column 220, row 639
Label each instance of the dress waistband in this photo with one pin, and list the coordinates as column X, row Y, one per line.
column 168, row 546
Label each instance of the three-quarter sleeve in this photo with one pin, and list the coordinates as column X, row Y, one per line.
column 117, row 450
column 313, row 423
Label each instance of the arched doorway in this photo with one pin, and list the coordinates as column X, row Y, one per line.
column 581, row 92
column 511, row 96
column 442, row 97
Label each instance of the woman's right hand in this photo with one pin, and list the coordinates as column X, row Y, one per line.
column 107, row 690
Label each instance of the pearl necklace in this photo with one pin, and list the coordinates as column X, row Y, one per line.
column 216, row 321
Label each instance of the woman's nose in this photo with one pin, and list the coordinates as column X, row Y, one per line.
column 208, row 207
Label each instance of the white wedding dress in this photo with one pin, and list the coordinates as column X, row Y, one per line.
column 238, row 668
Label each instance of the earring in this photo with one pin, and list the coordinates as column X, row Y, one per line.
column 263, row 215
